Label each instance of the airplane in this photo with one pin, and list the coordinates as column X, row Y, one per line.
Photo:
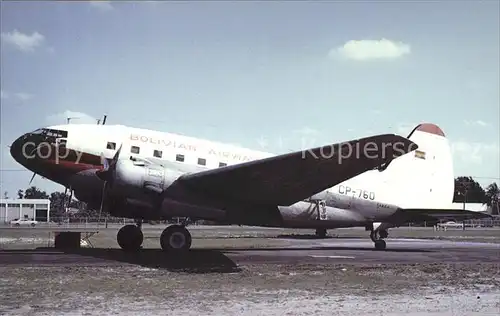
column 150, row 175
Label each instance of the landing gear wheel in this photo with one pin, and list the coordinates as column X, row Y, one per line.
column 321, row 233
column 175, row 238
column 380, row 244
column 130, row 238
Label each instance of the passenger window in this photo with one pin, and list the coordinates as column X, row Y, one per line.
column 111, row 146
column 134, row 150
column 202, row 161
column 157, row 153
column 179, row 158
column 222, row 164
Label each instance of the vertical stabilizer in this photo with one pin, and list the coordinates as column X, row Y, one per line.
column 424, row 178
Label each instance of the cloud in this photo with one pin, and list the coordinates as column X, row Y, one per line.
column 306, row 131
column 23, row 42
column 153, row 3
column 362, row 50
column 475, row 152
column 75, row 118
column 21, row 96
column 101, row 5
column 262, row 142
column 24, row 96
column 476, row 123
column 404, row 128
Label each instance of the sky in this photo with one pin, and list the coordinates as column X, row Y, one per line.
column 269, row 76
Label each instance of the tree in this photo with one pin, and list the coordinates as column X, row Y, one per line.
column 32, row 193
column 469, row 190
column 59, row 201
column 6, row 195
column 57, row 204
column 493, row 198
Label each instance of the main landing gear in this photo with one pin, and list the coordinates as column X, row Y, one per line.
column 378, row 236
column 175, row 238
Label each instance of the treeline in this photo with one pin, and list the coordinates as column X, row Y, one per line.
column 466, row 189
column 470, row 191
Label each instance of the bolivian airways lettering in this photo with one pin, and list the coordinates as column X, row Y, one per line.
column 188, row 147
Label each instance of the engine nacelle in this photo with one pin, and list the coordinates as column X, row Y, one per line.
column 172, row 208
column 132, row 208
column 134, row 178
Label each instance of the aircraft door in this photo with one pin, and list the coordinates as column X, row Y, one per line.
column 322, row 210
column 320, row 207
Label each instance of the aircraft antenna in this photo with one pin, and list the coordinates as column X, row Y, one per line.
column 68, row 119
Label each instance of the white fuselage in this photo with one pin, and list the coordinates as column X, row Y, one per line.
column 370, row 197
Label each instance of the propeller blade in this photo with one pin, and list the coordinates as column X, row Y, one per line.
column 34, row 174
column 112, row 166
column 104, row 162
column 106, row 173
column 117, row 154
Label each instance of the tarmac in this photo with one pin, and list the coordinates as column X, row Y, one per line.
column 224, row 247
column 254, row 271
column 343, row 251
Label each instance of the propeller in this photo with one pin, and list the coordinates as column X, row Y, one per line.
column 33, row 177
column 108, row 172
column 107, row 175
column 31, row 153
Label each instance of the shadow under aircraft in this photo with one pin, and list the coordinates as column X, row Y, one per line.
column 193, row 261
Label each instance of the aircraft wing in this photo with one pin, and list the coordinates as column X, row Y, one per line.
column 440, row 214
column 288, row 178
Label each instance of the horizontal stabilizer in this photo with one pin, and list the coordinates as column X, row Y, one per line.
column 422, row 214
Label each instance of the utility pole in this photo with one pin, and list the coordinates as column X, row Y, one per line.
column 464, row 194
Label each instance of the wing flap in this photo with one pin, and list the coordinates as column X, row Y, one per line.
column 288, row 178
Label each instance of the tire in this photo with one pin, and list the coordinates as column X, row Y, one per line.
column 380, row 244
column 130, row 238
column 175, row 238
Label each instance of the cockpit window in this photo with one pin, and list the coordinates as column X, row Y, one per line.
column 38, row 131
column 56, row 133
column 50, row 133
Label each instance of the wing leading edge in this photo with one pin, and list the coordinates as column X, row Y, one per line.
column 289, row 178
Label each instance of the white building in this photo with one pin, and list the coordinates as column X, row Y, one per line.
column 37, row 209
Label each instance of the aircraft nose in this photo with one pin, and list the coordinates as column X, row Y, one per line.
column 17, row 148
